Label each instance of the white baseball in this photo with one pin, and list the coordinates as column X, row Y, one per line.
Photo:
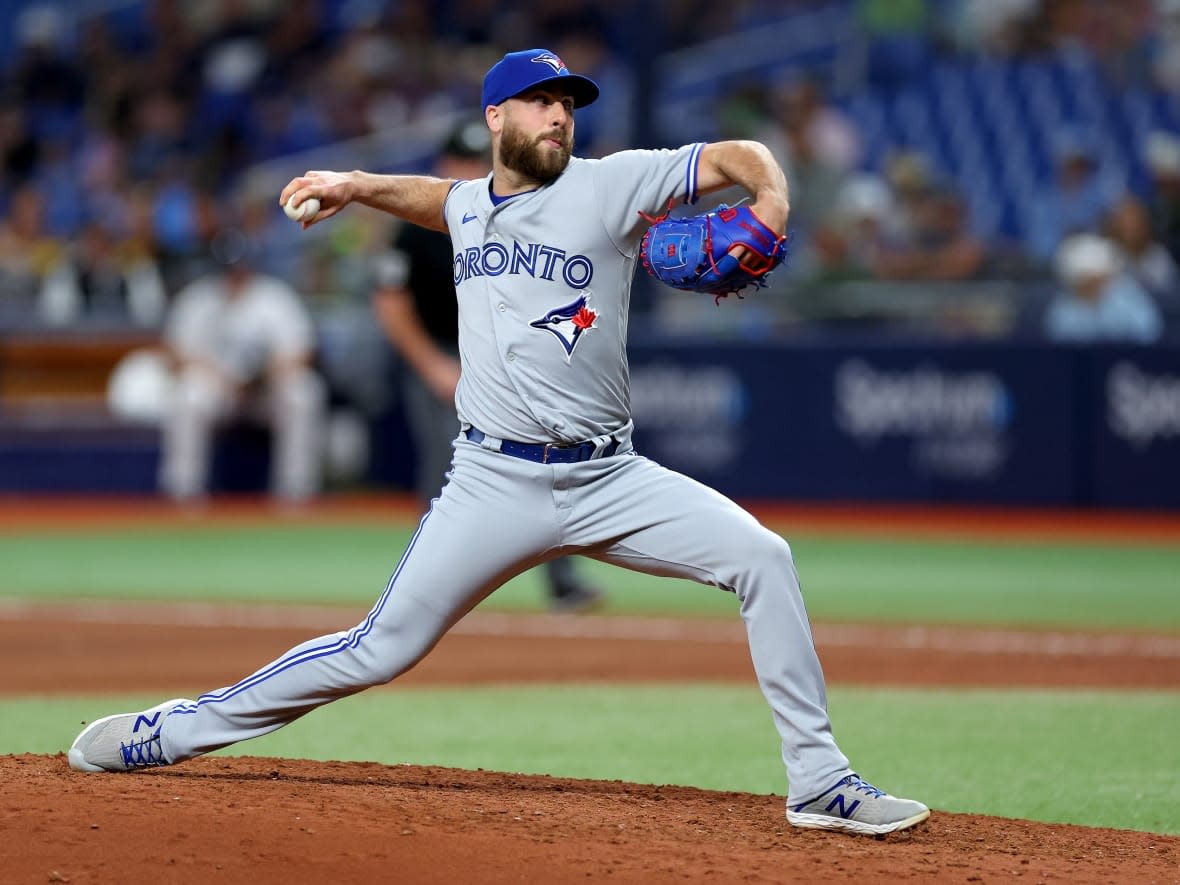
column 305, row 211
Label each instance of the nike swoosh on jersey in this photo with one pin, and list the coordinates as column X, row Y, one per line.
column 467, row 218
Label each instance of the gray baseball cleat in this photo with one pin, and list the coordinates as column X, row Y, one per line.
column 853, row 805
column 123, row 742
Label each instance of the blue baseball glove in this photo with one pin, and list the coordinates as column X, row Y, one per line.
column 695, row 253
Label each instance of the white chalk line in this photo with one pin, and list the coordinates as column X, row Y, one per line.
column 958, row 640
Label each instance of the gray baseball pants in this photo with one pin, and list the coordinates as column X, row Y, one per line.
column 500, row 515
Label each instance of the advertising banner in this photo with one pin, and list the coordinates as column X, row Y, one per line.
column 1134, row 426
column 950, row 422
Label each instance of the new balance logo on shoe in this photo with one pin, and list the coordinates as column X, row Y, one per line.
column 143, row 719
column 839, row 800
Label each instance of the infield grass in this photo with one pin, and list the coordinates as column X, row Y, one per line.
column 1095, row 758
column 847, row 578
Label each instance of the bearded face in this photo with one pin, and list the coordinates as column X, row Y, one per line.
column 532, row 156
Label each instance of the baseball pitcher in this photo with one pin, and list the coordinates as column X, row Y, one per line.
column 544, row 252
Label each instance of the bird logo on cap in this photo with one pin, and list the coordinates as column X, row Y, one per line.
column 548, row 58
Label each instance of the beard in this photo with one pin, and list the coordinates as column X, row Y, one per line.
column 527, row 157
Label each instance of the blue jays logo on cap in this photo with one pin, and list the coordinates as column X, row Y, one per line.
column 548, row 58
column 517, row 72
column 569, row 322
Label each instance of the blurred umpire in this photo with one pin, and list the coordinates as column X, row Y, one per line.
column 416, row 305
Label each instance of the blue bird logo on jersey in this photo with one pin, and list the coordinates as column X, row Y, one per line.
column 569, row 322
column 548, row 58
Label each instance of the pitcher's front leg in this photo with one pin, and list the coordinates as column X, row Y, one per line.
column 663, row 523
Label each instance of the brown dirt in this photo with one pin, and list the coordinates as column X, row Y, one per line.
column 48, row 649
column 288, row 821
column 285, row 821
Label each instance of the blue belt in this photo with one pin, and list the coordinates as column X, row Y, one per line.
column 548, row 453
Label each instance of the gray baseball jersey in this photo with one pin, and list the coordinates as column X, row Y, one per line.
column 543, row 282
column 544, row 285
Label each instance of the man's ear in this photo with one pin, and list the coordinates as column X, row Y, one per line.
column 494, row 116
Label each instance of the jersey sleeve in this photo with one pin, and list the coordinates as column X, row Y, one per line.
column 449, row 202
column 631, row 182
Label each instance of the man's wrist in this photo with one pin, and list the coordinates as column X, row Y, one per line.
column 772, row 209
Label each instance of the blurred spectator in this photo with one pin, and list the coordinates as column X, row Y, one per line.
column 57, row 179
column 183, row 220
column 1097, row 301
column 1165, row 50
column 816, row 147
column 910, row 177
column 1163, row 163
column 940, row 246
column 996, row 27
column 1077, row 199
column 1123, row 37
column 1129, row 228
column 158, row 131
column 1114, row 38
column 19, row 149
column 103, row 281
column 243, row 347
column 273, row 250
column 803, row 106
column 47, row 80
column 856, row 236
column 29, row 257
column 161, row 45
column 295, row 44
column 601, row 129
column 230, row 61
column 1062, row 26
column 345, row 86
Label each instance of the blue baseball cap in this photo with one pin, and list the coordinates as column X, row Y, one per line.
column 517, row 72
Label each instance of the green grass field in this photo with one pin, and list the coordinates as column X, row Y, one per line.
column 1098, row 758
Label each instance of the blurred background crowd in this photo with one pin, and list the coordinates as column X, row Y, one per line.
column 981, row 168
column 932, row 142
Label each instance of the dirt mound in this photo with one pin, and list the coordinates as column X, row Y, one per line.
column 279, row 820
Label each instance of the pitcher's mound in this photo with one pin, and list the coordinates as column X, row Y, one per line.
column 259, row 821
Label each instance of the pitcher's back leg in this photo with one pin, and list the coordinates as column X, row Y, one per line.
column 485, row 528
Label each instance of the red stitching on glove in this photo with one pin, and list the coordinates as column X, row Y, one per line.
column 658, row 218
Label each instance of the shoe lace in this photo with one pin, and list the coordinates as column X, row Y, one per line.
column 861, row 785
column 143, row 752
